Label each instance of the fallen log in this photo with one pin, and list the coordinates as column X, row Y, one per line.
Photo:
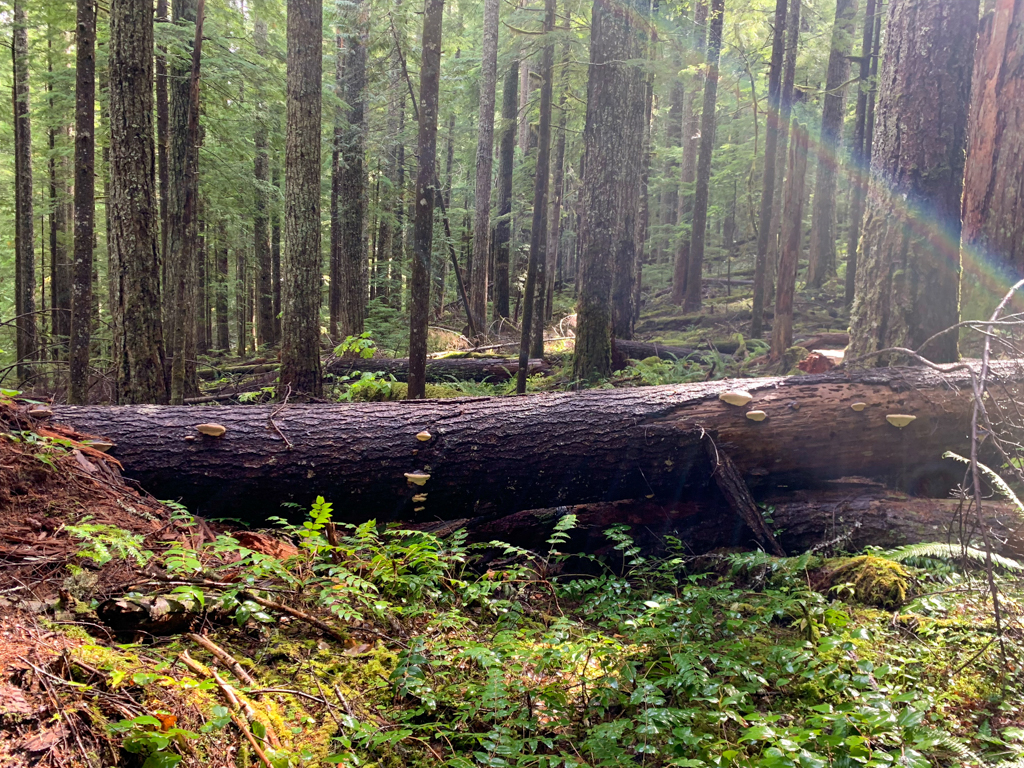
column 846, row 516
column 641, row 350
column 464, row 457
column 495, row 369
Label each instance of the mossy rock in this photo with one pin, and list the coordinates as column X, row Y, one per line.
column 874, row 580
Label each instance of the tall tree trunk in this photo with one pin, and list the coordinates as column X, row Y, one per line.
column 532, row 338
column 554, row 250
column 133, row 217
column 792, row 233
column 242, row 300
column 612, row 137
column 695, row 266
column 389, row 239
column 60, row 269
column 771, row 143
column 300, row 300
column 993, row 206
column 202, row 305
column 162, row 123
column 786, row 110
column 352, row 204
column 484, row 157
column 669, row 204
column 24, row 237
column 221, row 304
column 525, row 90
column 85, row 162
column 822, row 258
column 334, row 286
column 691, row 142
column 265, row 330
column 506, row 160
column 908, row 281
column 643, row 214
column 183, row 164
column 860, row 153
column 423, row 221
column 275, row 249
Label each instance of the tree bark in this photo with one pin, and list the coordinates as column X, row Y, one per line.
column 162, row 129
column 695, row 265
column 532, row 338
column 265, row 330
column 133, row 210
column 993, row 204
column 504, row 455
column 352, row 203
column 300, row 300
column 221, row 302
column 771, row 144
column 612, row 175
column 554, row 250
column 506, row 161
column 792, row 234
column 24, row 238
column 786, row 107
column 334, row 282
column 84, row 203
column 860, row 154
column 183, row 165
column 908, row 280
column 691, row 143
column 60, row 269
column 242, row 300
column 423, row 222
column 484, row 157
column 822, row 260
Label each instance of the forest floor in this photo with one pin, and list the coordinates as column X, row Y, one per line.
column 135, row 635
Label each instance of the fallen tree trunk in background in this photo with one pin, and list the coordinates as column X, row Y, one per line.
column 495, row 369
column 641, row 350
column 503, row 455
column 850, row 515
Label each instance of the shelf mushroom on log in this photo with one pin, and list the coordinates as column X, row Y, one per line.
column 502, row 455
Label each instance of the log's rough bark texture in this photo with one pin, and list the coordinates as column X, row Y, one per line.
column 300, row 301
column 908, row 277
column 132, row 205
column 504, row 455
column 853, row 514
column 993, row 204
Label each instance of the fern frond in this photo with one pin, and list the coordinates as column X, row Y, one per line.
column 943, row 551
column 997, row 481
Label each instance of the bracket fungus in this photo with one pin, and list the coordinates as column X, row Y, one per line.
column 417, row 478
column 40, row 413
column 900, row 419
column 212, row 430
column 757, row 415
column 99, row 445
column 859, row 406
column 419, row 498
column 736, row 397
column 423, row 436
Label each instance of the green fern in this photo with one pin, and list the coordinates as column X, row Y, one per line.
column 943, row 551
column 103, row 543
column 997, row 481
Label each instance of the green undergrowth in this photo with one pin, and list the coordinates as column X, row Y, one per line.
column 461, row 656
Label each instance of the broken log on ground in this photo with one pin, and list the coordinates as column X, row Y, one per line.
column 841, row 516
column 433, row 459
column 495, row 369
